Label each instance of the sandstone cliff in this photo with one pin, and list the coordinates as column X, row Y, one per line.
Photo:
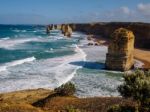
column 140, row 30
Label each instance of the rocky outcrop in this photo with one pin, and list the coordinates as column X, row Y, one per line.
column 66, row 30
column 49, row 28
column 120, row 50
column 59, row 26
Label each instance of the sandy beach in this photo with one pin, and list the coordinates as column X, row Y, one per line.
column 144, row 56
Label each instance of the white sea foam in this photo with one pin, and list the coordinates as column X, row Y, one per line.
column 34, row 31
column 75, row 35
column 16, row 30
column 14, row 63
column 24, row 31
column 138, row 64
column 80, row 53
column 9, row 43
column 46, row 73
column 6, row 38
column 3, row 39
column 93, row 80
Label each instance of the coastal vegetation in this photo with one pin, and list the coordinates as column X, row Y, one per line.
column 136, row 86
column 67, row 89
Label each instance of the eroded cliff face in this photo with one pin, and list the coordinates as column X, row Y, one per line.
column 140, row 30
column 120, row 50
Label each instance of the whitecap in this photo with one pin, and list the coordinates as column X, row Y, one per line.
column 23, row 31
column 16, row 30
column 16, row 62
column 9, row 43
column 6, row 38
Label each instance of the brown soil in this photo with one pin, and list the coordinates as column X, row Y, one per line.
column 42, row 100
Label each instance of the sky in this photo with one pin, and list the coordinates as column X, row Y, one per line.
column 73, row 11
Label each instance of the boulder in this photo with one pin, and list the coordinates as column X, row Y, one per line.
column 120, row 50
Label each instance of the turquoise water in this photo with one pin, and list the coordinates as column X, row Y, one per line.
column 28, row 41
column 29, row 58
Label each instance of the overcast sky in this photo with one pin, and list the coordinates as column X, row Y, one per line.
column 76, row 11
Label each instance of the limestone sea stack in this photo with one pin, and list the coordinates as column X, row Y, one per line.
column 120, row 51
column 66, row 30
column 49, row 28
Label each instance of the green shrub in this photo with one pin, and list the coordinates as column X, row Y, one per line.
column 67, row 89
column 114, row 108
column 137, row 86
column 125, row 108
column 72, row 109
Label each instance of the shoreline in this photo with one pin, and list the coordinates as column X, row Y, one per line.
column 144, row 56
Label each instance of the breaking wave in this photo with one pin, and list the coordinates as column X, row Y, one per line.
column 14, row 63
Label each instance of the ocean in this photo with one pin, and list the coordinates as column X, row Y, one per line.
column 30, row 59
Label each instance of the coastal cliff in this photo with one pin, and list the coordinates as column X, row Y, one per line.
column 140, row 30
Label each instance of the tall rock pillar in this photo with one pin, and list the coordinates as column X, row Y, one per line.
column 120, row 50
column 66, row 30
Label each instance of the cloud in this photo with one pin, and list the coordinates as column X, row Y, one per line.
column 125, row 10
column 144, row 9
column 124, row 14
